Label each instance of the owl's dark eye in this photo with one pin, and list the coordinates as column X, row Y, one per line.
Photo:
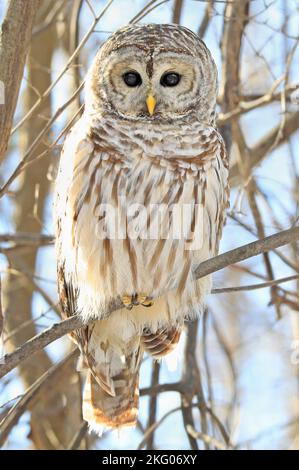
column 170, row 79
column 132, row 79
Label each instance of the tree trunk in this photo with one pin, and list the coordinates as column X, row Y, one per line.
column 15, row 35
column 56, row 416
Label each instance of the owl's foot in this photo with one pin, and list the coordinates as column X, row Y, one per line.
column 130, row 301
column 144, row 300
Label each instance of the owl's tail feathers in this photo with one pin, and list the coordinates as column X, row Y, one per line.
column 162, row 342
column 119, row 408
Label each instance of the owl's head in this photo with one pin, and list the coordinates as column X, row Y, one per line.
column 153, row 72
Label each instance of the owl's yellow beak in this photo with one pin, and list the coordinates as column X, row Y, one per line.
column 151, row 103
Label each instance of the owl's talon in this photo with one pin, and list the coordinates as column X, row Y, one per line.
column 144, row 300
column 130, row 301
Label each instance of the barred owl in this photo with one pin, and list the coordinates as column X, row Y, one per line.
column 145, row 149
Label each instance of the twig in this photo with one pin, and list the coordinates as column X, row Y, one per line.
column 249, row 287
column 150, row 6
column 255, row 103
column 160, row 388
column 26, row 159
column 205, row 438
column 257, row 216
column 280, row 255
column 153, row 402
column 50, row 19
column 150, row 430
column 154, row 426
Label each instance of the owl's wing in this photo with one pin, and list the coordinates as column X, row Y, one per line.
column 67, row 290
column 67, row 296
column 67, row 293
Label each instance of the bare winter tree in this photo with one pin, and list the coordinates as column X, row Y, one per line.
column 235, row 384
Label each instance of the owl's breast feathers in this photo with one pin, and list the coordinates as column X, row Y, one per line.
column 114, row 168
column 189, row 146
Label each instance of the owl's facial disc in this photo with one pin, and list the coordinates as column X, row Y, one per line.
column 155, row 86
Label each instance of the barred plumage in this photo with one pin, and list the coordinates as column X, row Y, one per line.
column 121, row 159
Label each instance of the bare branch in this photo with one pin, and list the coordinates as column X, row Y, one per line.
column 153, row 402
column 206, row 19
column 261, row 149
column 205, row 438
column 244, row 106
column 262, row 285
column 177, row 11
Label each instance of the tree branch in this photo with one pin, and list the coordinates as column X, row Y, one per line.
column 177, row 11
column 205, row 438
column 262, row 285
column 27, row 238
column 206, row 19
column 261, row 149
